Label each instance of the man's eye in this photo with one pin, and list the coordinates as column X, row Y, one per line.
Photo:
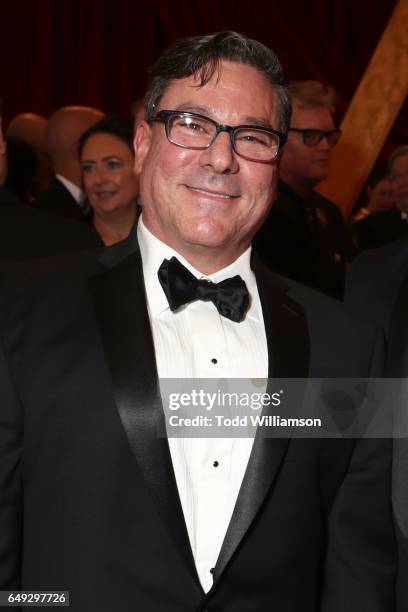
column 255, row 139
column 192, row 126
column 87, row 168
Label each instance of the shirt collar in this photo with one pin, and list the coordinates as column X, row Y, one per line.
column 153, row 251
column 75, row 191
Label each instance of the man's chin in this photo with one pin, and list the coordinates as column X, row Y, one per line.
column 318, row 177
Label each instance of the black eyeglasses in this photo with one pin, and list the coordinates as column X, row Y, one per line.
column 194, row 131
column 312, row 137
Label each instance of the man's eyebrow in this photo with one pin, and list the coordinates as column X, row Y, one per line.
column 206, row 111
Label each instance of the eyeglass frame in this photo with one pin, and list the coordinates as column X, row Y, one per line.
column 323, row 134
column 164, row 116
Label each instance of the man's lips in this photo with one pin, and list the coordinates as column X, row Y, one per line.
column 224, row 195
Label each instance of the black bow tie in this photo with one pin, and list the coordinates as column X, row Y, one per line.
column 230, row 296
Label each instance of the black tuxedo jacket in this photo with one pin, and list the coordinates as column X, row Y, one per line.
column 59, row 201
column 377, row 284
column 380, row 229
column 27, row 233
column 88, row 497
column 305, row 240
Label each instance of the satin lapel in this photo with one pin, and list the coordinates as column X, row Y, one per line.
column 119, row 300
column 288, row 349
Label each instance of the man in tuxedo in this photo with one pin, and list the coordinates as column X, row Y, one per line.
column 122, row 517
column 65, row 196
column 304, row 235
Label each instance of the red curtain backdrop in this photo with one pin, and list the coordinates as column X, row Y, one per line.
column 97, row 52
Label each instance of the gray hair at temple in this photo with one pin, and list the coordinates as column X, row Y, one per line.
column 201, row 55
column 398, row 152
column 311, row 94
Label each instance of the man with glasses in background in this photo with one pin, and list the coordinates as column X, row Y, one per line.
column 129, row 520
column 304, row 235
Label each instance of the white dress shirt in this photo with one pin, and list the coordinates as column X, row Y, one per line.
column 197, row 342
column 75, row 191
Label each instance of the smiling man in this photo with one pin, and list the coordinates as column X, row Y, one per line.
column 128, row 520
column 216, row 198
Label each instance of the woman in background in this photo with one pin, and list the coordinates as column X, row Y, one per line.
column 110, row 184
column 379, row 196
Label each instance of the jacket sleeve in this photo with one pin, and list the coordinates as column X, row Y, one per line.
column 361, row 555
column 11, row 434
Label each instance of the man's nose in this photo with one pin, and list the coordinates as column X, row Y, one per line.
column 220, row 156
column 324, row 144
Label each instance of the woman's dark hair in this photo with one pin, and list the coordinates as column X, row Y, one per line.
column 201, row 55
column 115, row 125
column 376, row 177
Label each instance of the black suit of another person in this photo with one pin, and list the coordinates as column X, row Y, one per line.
column 88, row 497
column 305, row 240
column 59, row 201
column 27, row 233
column 380, row 229
column 377, row 284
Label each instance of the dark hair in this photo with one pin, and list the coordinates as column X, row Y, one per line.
column 121, row 127
column 311, row 94
column 398, row 152
column 202, row 55
column 22, row 166
column 376, row 177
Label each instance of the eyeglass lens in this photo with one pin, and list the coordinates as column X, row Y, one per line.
column 198, row 132
column 313, row 137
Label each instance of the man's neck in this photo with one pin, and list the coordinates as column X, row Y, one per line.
column 70, row 171
column 302, row 188
column 204, row 259
column 200, row 260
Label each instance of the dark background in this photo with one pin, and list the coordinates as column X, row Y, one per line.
column 97, row 52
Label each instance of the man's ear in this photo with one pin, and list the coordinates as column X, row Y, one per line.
column 141, row 143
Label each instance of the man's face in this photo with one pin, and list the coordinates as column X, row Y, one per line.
column 208, row 203
column 307, row 164
column 399, row 180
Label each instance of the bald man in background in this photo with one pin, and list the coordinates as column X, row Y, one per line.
column 26, row 138
column 28, row 127
column 26, row 233
column 64, row 196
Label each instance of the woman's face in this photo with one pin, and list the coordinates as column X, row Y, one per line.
column 380, row 197
column 108, row 176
